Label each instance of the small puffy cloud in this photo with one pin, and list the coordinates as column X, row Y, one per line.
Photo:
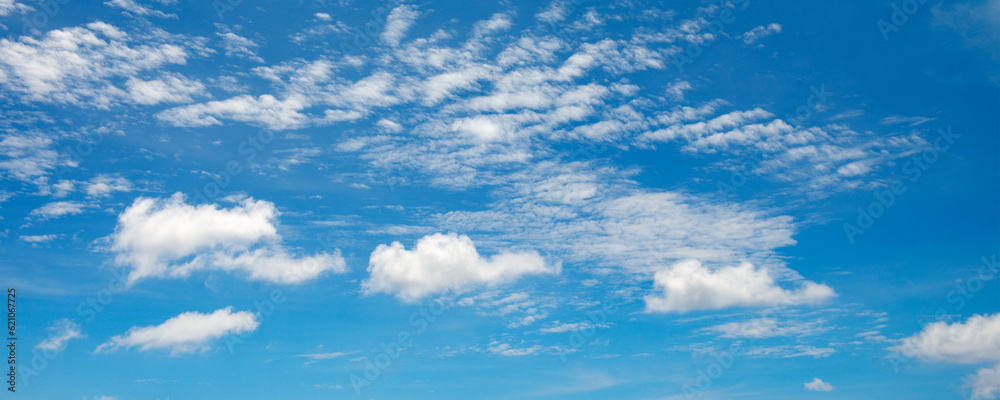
column 399, row 21
column 442, row 262
column 186, row 333
column 153, row 235
column 58, row 209
column 974, row 341
column 103, row 185
column 323, row 17
column 37, row 238
column 688, row 286
column 985, row 383
column 818, row 385
column 62, row 331
column 754, row 34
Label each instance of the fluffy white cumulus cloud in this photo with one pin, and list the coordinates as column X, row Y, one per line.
column 168, row 237
column 688, row 286
column 974, row 341
column 186, row 333
column 818, row 385
column 977, row 340
column 442, row 262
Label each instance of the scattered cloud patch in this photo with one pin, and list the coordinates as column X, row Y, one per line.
column 60, row 333
column 131, row 6
column 818, row 385
column 755, row 34
column 765, row 328
column 35, row 239
column 399, row 21
column 186, row 333
column 59, row 209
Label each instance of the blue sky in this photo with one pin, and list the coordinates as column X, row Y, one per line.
column 337, row 199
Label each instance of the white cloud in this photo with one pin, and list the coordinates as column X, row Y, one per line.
column 764, row 328
column 389, row 125
column 754, row 34
column 790, row 351
column 903, row 120
column 688, row 286
column 399, row 21
column 504, row 349
column 571, row 327
column 169, row 88
column 76, row 65
column 131, row 6
column 29, row 157
column 978, row 22
column 59, row 209
column 815, row 161
column 974, row 341
column 442, row 262
column 37, row 238
column 103, row 185
column 186, row 333
column 323, row 17
column 239, row 46
column 327, row 356
column 818, row 385
column 977, row 340
column 265, row 110
column 8, row 7
column 62, row 331
column 985, row 383
column 153, row 234
column 555, row 12
column 676, row 89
